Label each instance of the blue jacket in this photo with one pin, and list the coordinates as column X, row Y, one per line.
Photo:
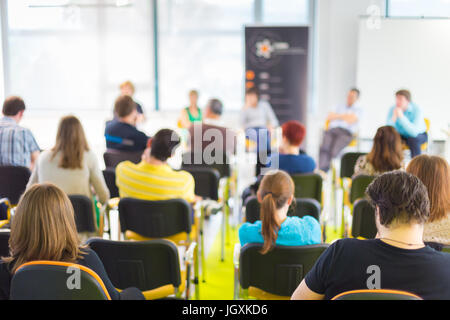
column 411, row 124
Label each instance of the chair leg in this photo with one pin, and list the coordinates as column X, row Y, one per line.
column 196, row 273
column 202, row 243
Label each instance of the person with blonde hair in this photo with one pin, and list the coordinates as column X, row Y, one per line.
column 434, row 172
column 276, row 194
column 191, row 113
column 44, row 228
column 70, row 164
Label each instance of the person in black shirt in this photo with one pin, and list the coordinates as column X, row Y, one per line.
column 121, row 133
column 44, row 228
column 397, row 259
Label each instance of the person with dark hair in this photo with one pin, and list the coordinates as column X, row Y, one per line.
column 386, row 154
column 153, row 178
column 18, row 147
column 212, row 131
column 342, row 126
column 397, row 259
column 257, row 113
column 127, row 89
column 121, row 133
column 290, row 158
column 276, row 194
column 407, row 118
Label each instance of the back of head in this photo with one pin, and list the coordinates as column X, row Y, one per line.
column 124, row 106
column 71, row 143
column 43, row 227
column 386, row 153
column 434, row 172
column 275, row 190
column 294, row 132
column 402, row 199
column 215, row 106
column 12, row 106
column 164, row 143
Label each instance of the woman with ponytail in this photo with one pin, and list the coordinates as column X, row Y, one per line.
column 275, row 195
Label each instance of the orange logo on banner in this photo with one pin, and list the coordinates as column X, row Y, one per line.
column 249, row 84
column 250, row 75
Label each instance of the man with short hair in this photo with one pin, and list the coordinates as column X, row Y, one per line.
column 153, row 178
column 212, row 131
column 18, row 147
column 343, row 125
column 121, row 133
column 407, row 118
column 397, row 259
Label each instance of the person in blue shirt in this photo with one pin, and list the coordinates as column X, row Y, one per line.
column 290, row 158
column 407, row 118
column 121, row 133
column 276, row 194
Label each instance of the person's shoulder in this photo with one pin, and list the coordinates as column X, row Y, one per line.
column 125, row 164
column 308, row 221
column 184, row 174
column 248, row 226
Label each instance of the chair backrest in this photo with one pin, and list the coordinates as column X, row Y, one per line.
column 308, row 186
column 446, row 248
column 84, row 213
column 203, row 136
column 13, row 182
column 155, row 219
column 348, row 162
column 303, row 207
column 4, row 243
column 363, row 222
column 145, row 265
column 113, row 157
column 359, row 185
column 219, row 161
column 376, row 294
column 280, row 270
column 206, row 182
column 109, row 175
column 51, row 280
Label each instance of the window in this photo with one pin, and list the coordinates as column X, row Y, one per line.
column 419, row 8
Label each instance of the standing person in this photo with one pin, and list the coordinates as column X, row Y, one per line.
column 70, row 164
column 44, row 228
column 192, row 113
column 127, row 89
column 398, row 259
column 434, row 172
column 343, row 125
column 407, row 118
column 386, row 154
column 276, row 194
column 18, row 147
column 121, row 133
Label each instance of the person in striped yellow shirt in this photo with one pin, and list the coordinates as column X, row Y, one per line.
column 153, row 178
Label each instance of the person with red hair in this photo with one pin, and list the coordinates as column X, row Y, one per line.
column 290, row 158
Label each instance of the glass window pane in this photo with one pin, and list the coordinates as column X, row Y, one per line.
column 283, row 12
column 419, row 8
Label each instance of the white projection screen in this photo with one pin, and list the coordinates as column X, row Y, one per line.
column 404, row 53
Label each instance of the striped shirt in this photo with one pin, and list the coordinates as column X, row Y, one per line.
column 16, row 144
column 153, row 182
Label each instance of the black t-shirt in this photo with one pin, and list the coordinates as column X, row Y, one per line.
column 89, row 260
column 348, row 265
column 124, row 137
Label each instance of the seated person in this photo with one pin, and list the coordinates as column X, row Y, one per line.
column 386, row 154
column 44, row 228
column 121, row 133
column 192, row 113
column 127, row 89
column 257, row 113
column 18, row 147
column 153, row 178
column 211, row 133
column 290, row 159
column 343, row 124
column 398, row 259
column 408, row 120
column 276, row 194
column 434, row 172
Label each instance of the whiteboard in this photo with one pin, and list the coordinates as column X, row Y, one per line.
column 404, row 53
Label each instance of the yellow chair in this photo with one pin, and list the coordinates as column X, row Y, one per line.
column 424, row 145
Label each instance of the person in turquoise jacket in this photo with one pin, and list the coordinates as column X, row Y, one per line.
column 276, row 194
column 407, row 118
